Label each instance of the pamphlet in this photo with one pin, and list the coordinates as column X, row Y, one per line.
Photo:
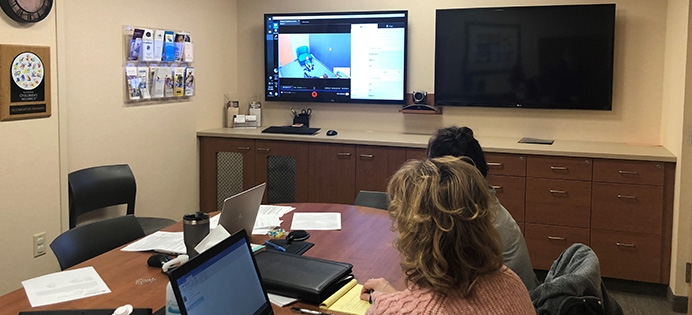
column 179, row 45
column 167, row 74
column 179, row 81
column 147, row 53
column 143, row 74
column 189, row 81
column 168, row 46
column 157, row 81
column 188, row 53
column 136, row 43
column 158, row 44
column 132, row 82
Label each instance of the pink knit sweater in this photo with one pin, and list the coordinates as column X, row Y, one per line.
column 501, row 292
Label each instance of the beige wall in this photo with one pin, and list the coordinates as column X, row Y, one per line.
column 674, row 135
column 157, row 140
column 29, row 171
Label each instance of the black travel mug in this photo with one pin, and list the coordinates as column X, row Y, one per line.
column 195, row 228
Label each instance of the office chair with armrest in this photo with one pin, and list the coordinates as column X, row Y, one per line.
column 372, row 199
column 104, row 186
column 92, row 239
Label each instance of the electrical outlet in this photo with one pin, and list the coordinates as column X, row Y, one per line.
column 39, row 244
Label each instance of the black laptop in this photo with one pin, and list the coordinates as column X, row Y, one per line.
column 222, row 280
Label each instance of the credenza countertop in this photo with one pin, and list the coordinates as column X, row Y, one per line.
column 590, row 149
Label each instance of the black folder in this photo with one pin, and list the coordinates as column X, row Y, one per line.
column 306, row 278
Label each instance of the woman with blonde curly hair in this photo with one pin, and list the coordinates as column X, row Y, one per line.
column 450, row 251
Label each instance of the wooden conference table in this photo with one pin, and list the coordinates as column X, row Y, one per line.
column 365, row 240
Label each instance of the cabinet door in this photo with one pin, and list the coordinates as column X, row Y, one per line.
column 227, row 167
column 375, row 165
column 510, row 190
column 332, row 173
column 506, row 164
column 283, row 165
column 546, row 242
column 559, row 202
column 631, row 256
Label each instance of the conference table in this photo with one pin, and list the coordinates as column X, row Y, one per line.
column 365, row 240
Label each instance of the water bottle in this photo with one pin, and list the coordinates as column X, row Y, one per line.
column 171, row 303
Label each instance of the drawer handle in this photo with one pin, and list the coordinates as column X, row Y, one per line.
column 627, row 197
column 628, row 172
column 558, row 168
column 494, row 164
column 343, row 154
column 624, row 244
column 556, row 238
column 496, row 187
column 263, row 149
column 367, row 156
column 562, row 192
column 243, row 148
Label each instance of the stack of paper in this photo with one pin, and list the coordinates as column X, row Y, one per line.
column 163, row 242
column 269, row 218
column 64, row 286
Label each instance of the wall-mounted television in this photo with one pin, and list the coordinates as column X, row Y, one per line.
column 558, row 57
column 345, row 57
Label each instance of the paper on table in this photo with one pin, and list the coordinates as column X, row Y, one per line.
column 160, row 241
column 64, row 286
column 280, row 300
column 214, row 237
column 277, row 211
column 316, row 221
column 347, row 300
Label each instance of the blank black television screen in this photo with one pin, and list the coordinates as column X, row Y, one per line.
column 344, row 57
column 528, row 57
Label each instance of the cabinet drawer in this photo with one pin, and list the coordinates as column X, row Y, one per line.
column 628, row 256
column 630, row 208
column 560, row 202
column 628, row 172
column 546, row 242
column 506, row 164
column 510, row 191
column 558, row 167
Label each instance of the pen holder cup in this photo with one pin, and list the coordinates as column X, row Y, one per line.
column 195, row 228
column 302, row 119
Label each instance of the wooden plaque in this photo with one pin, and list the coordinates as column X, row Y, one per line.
column 24, row 82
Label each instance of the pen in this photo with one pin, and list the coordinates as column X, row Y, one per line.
column 307, row 311
column 277, row 247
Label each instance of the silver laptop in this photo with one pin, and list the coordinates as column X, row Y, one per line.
column 240, row 211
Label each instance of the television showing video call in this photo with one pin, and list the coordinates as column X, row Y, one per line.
column 349, row 57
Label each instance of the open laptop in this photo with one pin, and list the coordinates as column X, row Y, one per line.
column 221, row 280
column 240, row 211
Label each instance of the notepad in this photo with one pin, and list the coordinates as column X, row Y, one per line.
column 347, row 300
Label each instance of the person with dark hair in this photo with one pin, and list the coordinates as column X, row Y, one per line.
column 460, row 142
column 450, row 252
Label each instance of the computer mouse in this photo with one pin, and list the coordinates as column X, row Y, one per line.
column 297, row 235
column 332, row 133
column 157, row 260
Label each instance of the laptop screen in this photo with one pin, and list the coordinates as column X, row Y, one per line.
column 226, row 282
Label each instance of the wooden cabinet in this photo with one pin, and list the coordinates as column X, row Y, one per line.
column 284, row 167
column 629, row 219
column 621, row 208
column 506, row 174
column 375, row 165
column 227, row 167
column 332, row 173
column 546, row 242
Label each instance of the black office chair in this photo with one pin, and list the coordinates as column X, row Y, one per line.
column 92, row 239
column 104, row 186
column 373, row 199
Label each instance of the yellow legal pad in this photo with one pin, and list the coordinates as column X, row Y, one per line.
column 347, row 300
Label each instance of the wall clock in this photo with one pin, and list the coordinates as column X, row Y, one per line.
column 30, row 11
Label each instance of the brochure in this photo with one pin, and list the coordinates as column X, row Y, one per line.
column 189, row 81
